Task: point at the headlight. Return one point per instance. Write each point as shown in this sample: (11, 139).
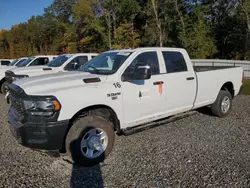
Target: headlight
(17, 77)
(42, 108)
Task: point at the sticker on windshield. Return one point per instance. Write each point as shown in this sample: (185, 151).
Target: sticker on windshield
(124, 53)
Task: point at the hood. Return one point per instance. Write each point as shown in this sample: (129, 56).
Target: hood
(51, 83)
(7, 67)
(30, 70)
(4, 69)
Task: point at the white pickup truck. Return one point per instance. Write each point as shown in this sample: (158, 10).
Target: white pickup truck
(31, 61)
(62, 63)
(17, 61)
(5, 62)
(117, 92)
(13, 63)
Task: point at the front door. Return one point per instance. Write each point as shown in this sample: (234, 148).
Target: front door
(143, 99)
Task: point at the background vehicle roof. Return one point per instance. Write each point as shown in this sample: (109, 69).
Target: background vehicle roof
(147, 48)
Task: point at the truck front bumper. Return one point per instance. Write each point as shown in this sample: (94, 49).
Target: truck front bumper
(44, 136)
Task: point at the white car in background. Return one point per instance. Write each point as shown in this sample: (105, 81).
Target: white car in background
(4, 62)
(14, 62)
(31, 61)
(62, 63)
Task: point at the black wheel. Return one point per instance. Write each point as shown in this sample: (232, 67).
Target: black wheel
(223, 104)
(90, 140)
(4, 88)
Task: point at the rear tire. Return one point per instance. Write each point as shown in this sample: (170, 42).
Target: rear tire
(223, 104)
(90, 140)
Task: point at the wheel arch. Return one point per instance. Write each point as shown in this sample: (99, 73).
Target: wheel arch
(228, 86)
(1, 83)
(99, 110)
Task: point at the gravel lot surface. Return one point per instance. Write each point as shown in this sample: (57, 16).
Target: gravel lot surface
(198, 151)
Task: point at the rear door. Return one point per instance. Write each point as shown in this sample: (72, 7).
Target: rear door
(180, 83)
(144, 99)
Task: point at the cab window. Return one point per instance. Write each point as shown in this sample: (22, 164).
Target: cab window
(40, 61)
(76, 63)
(4, 62)
(146, 58)
(174, 62)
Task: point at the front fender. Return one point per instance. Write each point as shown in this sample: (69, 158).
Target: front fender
(79, 99)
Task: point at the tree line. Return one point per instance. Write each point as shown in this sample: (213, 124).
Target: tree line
(205, 28)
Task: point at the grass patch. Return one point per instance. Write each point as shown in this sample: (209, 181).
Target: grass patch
(246, 87)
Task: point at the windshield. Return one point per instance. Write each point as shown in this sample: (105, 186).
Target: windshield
(13, 62)
(58, 61)
(22, 60)
(25, 62)
(16, 61)
(106, 63)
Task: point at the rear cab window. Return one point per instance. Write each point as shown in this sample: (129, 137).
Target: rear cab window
(174, 61)
(5, 62)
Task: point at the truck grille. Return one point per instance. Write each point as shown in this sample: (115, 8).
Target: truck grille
(15, 95)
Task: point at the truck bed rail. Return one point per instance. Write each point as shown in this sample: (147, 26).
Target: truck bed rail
(210, 68)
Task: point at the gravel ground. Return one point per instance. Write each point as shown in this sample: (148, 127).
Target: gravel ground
(198, 151)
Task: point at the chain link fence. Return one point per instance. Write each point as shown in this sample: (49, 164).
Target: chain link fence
(214, 62)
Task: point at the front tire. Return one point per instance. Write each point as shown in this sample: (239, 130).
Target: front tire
(3, 88)
(223, 104)
(90, 140)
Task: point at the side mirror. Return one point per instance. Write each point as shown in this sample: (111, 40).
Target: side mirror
(75, 65)
(142, 72)
(72, 66)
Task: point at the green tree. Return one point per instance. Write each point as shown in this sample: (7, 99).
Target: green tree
(4, 45)
(89, 28)
(126, 37)
(245, 7)
(197, 39)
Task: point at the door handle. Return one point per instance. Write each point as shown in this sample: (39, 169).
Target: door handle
(190, 78)
(158, 83)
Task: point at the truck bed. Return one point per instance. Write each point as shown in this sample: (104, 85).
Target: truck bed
(210, 79)
(210, 68)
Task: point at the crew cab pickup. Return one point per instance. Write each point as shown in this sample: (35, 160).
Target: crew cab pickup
(31, 61)
(17, 61)
(14, 62)
(62, 63)
(117, 92)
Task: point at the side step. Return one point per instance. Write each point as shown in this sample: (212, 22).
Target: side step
(140, 128)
